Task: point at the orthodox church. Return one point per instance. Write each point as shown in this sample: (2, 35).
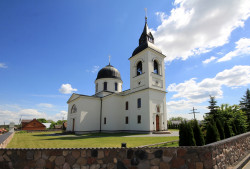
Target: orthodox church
(142, 108)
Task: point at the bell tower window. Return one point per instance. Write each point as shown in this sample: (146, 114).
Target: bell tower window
(116, 86)
(156, 67)
(105, 86)
(139, 68)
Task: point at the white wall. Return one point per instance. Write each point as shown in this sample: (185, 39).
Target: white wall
(87, 117)
(110, 86)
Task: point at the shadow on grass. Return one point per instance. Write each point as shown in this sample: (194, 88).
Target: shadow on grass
(61, 136)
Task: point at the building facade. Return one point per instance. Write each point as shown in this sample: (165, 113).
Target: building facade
(141, 108)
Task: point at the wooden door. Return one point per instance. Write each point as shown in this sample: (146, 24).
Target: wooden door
(157, 123)
(73, 128)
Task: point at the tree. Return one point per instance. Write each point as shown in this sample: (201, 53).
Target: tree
(177, 119)
(245, 106)
(220, 129)
(186, 135)
(227, 130)
(42, 120)
(198, 135)
(212, 133)
(212, 107)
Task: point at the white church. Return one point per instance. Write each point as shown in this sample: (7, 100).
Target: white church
(142, 108)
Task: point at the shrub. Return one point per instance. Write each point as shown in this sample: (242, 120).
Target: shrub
(227, 130)
(186, 137)
(220, 129)
(198, 135)
(212, 133)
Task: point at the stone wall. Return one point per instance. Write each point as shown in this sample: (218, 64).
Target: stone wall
(5, 139)
(217, 155)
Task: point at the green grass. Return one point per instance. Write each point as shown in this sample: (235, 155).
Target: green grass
(174, 144)
(43, 140)
(173, 129)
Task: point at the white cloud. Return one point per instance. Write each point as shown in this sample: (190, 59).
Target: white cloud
(46, 105)
(3, 65)
(209, 60)
(61, 115)
(191, 92)
(67, 89)
(197, 26)
(242, 48)
(94, 69)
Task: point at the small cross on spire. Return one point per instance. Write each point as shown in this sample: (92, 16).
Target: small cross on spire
(109, 59)
(145, 14)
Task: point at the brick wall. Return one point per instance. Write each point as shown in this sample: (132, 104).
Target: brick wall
(216, 155)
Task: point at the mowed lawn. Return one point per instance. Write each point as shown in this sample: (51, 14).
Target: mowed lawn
(49, 140)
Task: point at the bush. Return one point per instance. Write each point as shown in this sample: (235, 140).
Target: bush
(186, 137)
(198, 135)
(220, 129)
(227, 130)
(212, 133)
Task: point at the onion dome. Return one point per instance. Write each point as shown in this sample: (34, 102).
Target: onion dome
(108, 72)
(146, 41)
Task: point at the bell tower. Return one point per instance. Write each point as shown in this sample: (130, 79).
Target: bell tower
(147, 64)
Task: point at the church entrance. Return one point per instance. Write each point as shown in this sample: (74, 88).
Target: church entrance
(157, 123)
(73, 127)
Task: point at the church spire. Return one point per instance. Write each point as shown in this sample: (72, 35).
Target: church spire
(146, 35)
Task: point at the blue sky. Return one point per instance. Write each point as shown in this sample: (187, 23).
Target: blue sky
(49, 49)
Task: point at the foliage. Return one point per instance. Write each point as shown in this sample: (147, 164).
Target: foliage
(177, 119)
(220, 129)
(59, 122)
(55, 140)
(212, 133)
(42, 120)
(198, 135)
(186, 135)
(213, 107)
(245, 106)
(227, 130)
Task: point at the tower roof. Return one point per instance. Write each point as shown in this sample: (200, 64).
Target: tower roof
(146, 40)
(109, 72)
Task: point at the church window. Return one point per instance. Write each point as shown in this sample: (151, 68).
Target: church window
(105, 120)
(105, 85)
(158, 108)
(126, 105)
(139, 68)
(156, 71)
(73, 109)
(96, 87)
(126, 120)
(116, 86)
(139, 119)
(139, 103)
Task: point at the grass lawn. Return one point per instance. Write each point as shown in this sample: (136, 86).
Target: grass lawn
(48, 140)
(174, 144)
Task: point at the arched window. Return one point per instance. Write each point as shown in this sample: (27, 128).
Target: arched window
(139, 68)
(116, 86)
(73, 109)
(158, 108)
(105, 85)
(156, 69)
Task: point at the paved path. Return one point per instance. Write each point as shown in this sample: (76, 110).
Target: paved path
(174, 133)
(247, 166)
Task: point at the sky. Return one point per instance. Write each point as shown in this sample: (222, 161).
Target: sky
(50, 49)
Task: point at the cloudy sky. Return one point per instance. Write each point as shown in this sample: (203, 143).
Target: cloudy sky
(50, 49)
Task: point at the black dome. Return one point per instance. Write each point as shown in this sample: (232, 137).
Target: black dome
(109, 72)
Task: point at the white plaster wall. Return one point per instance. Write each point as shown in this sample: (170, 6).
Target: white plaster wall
(110, 86)
(158, 98)
(87, 117)
(133, 111)
(112, 110)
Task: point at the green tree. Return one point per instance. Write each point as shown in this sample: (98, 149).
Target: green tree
(198, 135)
(213, 107)
(245, 106)
(42, 120)
(227, 130)
(220, 129)
(177, 119)
(186, 135)
(212, 133)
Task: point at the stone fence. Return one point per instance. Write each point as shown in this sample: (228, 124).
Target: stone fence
(5, 138)
(222, 154)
